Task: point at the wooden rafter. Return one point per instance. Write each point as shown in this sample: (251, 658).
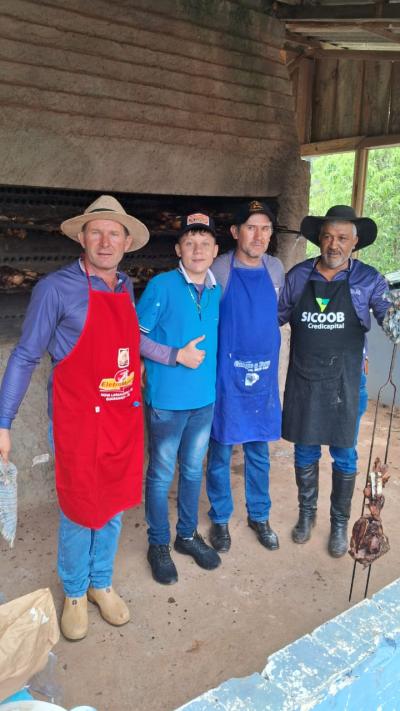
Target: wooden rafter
(305, 41)
(304, 26)
(361, 54)
(341, 12)
(382, 32)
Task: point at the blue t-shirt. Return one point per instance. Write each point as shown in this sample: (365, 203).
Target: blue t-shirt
(172, 312)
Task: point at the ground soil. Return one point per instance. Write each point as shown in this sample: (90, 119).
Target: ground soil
(189, 637)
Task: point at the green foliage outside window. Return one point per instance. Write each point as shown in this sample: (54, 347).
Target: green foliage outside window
(331, 184)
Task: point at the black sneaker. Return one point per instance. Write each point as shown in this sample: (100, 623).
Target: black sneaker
(162, 565)
(205, 556)
(220, 538)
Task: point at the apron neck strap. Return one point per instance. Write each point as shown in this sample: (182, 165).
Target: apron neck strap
(124, 289)
(86, 272)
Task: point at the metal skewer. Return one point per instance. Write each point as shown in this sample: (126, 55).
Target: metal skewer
(391, 384)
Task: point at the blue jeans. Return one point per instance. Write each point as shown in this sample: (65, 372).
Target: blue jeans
(172, 435)
(256, 480)
(344, 458)
(85, 555)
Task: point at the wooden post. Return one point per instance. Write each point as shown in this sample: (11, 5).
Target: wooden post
(359, 179)
(359, 183)
(304, 98)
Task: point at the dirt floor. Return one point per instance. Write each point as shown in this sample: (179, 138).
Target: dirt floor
(186, 638)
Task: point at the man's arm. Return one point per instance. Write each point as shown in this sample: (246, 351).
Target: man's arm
(190, 356)
(5, 444)
(378, 302)
(38, 328)
(285, 304)
(149, 310)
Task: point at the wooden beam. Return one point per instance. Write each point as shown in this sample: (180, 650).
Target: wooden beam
(333, 26)
(380, 32)
(305, 41)
(359, 180)
(340, 12)
(336, 145)
(381, 141)
(343, 145)
(357, 55)
(304, 99)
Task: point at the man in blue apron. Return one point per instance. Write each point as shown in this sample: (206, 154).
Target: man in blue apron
(327, 302)
(247, 408)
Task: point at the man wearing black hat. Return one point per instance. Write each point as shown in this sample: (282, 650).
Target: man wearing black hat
(327, 302)
(247, 408)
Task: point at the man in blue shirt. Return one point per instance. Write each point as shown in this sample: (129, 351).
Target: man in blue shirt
(327, 302)
(180, 309)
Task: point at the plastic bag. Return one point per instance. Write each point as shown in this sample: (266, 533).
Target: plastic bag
(391, 322)
(8, 501)
(28, 631)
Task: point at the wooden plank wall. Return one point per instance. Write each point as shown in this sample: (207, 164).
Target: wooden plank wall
(175, 96)
(355, 98)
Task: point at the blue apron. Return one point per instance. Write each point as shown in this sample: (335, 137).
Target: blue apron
(247, 407)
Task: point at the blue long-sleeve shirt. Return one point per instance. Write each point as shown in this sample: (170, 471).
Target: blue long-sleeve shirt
(54, 321)
(367, 289)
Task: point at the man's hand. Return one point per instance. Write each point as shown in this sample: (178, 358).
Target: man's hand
(190, 356)
(5, 444)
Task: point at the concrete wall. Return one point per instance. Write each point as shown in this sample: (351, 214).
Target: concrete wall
(351, 662)
(380, 351)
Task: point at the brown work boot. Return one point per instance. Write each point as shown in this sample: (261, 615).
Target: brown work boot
(74, 620)
(112, 607)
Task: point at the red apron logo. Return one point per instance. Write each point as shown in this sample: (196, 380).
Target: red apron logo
(123, 357)
(122, 379)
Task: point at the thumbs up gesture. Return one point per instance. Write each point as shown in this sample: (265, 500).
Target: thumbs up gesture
(190, 356)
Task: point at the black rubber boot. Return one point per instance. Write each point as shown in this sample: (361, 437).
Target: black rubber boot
(342, 493)
(307, 486)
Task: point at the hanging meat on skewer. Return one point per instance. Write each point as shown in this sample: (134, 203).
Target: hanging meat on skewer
(368, 541)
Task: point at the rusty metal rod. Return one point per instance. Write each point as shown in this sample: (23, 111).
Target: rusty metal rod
(389, 382)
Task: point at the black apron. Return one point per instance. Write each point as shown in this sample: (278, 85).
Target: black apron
(323, 381)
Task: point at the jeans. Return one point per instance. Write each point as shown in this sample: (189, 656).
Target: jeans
(344, 458)
(256, 480)
(85, 555)
(172, 435)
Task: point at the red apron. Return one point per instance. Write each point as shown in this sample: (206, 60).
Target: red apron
(98, 414)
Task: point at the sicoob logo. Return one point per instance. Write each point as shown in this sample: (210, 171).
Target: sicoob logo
(322, 320)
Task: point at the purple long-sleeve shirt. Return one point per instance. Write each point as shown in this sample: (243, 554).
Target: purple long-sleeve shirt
(53, 323)
(367, 289)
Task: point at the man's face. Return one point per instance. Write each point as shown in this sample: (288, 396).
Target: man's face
(253, 236)
(105, 243)
(337, 242)
(197, 250)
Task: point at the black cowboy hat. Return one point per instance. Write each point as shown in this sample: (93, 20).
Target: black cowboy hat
(366, 228)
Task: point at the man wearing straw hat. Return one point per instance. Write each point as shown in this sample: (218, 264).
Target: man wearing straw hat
(84, 317)
(327, 302)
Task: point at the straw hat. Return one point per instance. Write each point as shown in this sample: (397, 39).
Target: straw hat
(108, 208)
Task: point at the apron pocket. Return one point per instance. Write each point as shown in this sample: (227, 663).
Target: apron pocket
(317, 367)
(251, 375)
